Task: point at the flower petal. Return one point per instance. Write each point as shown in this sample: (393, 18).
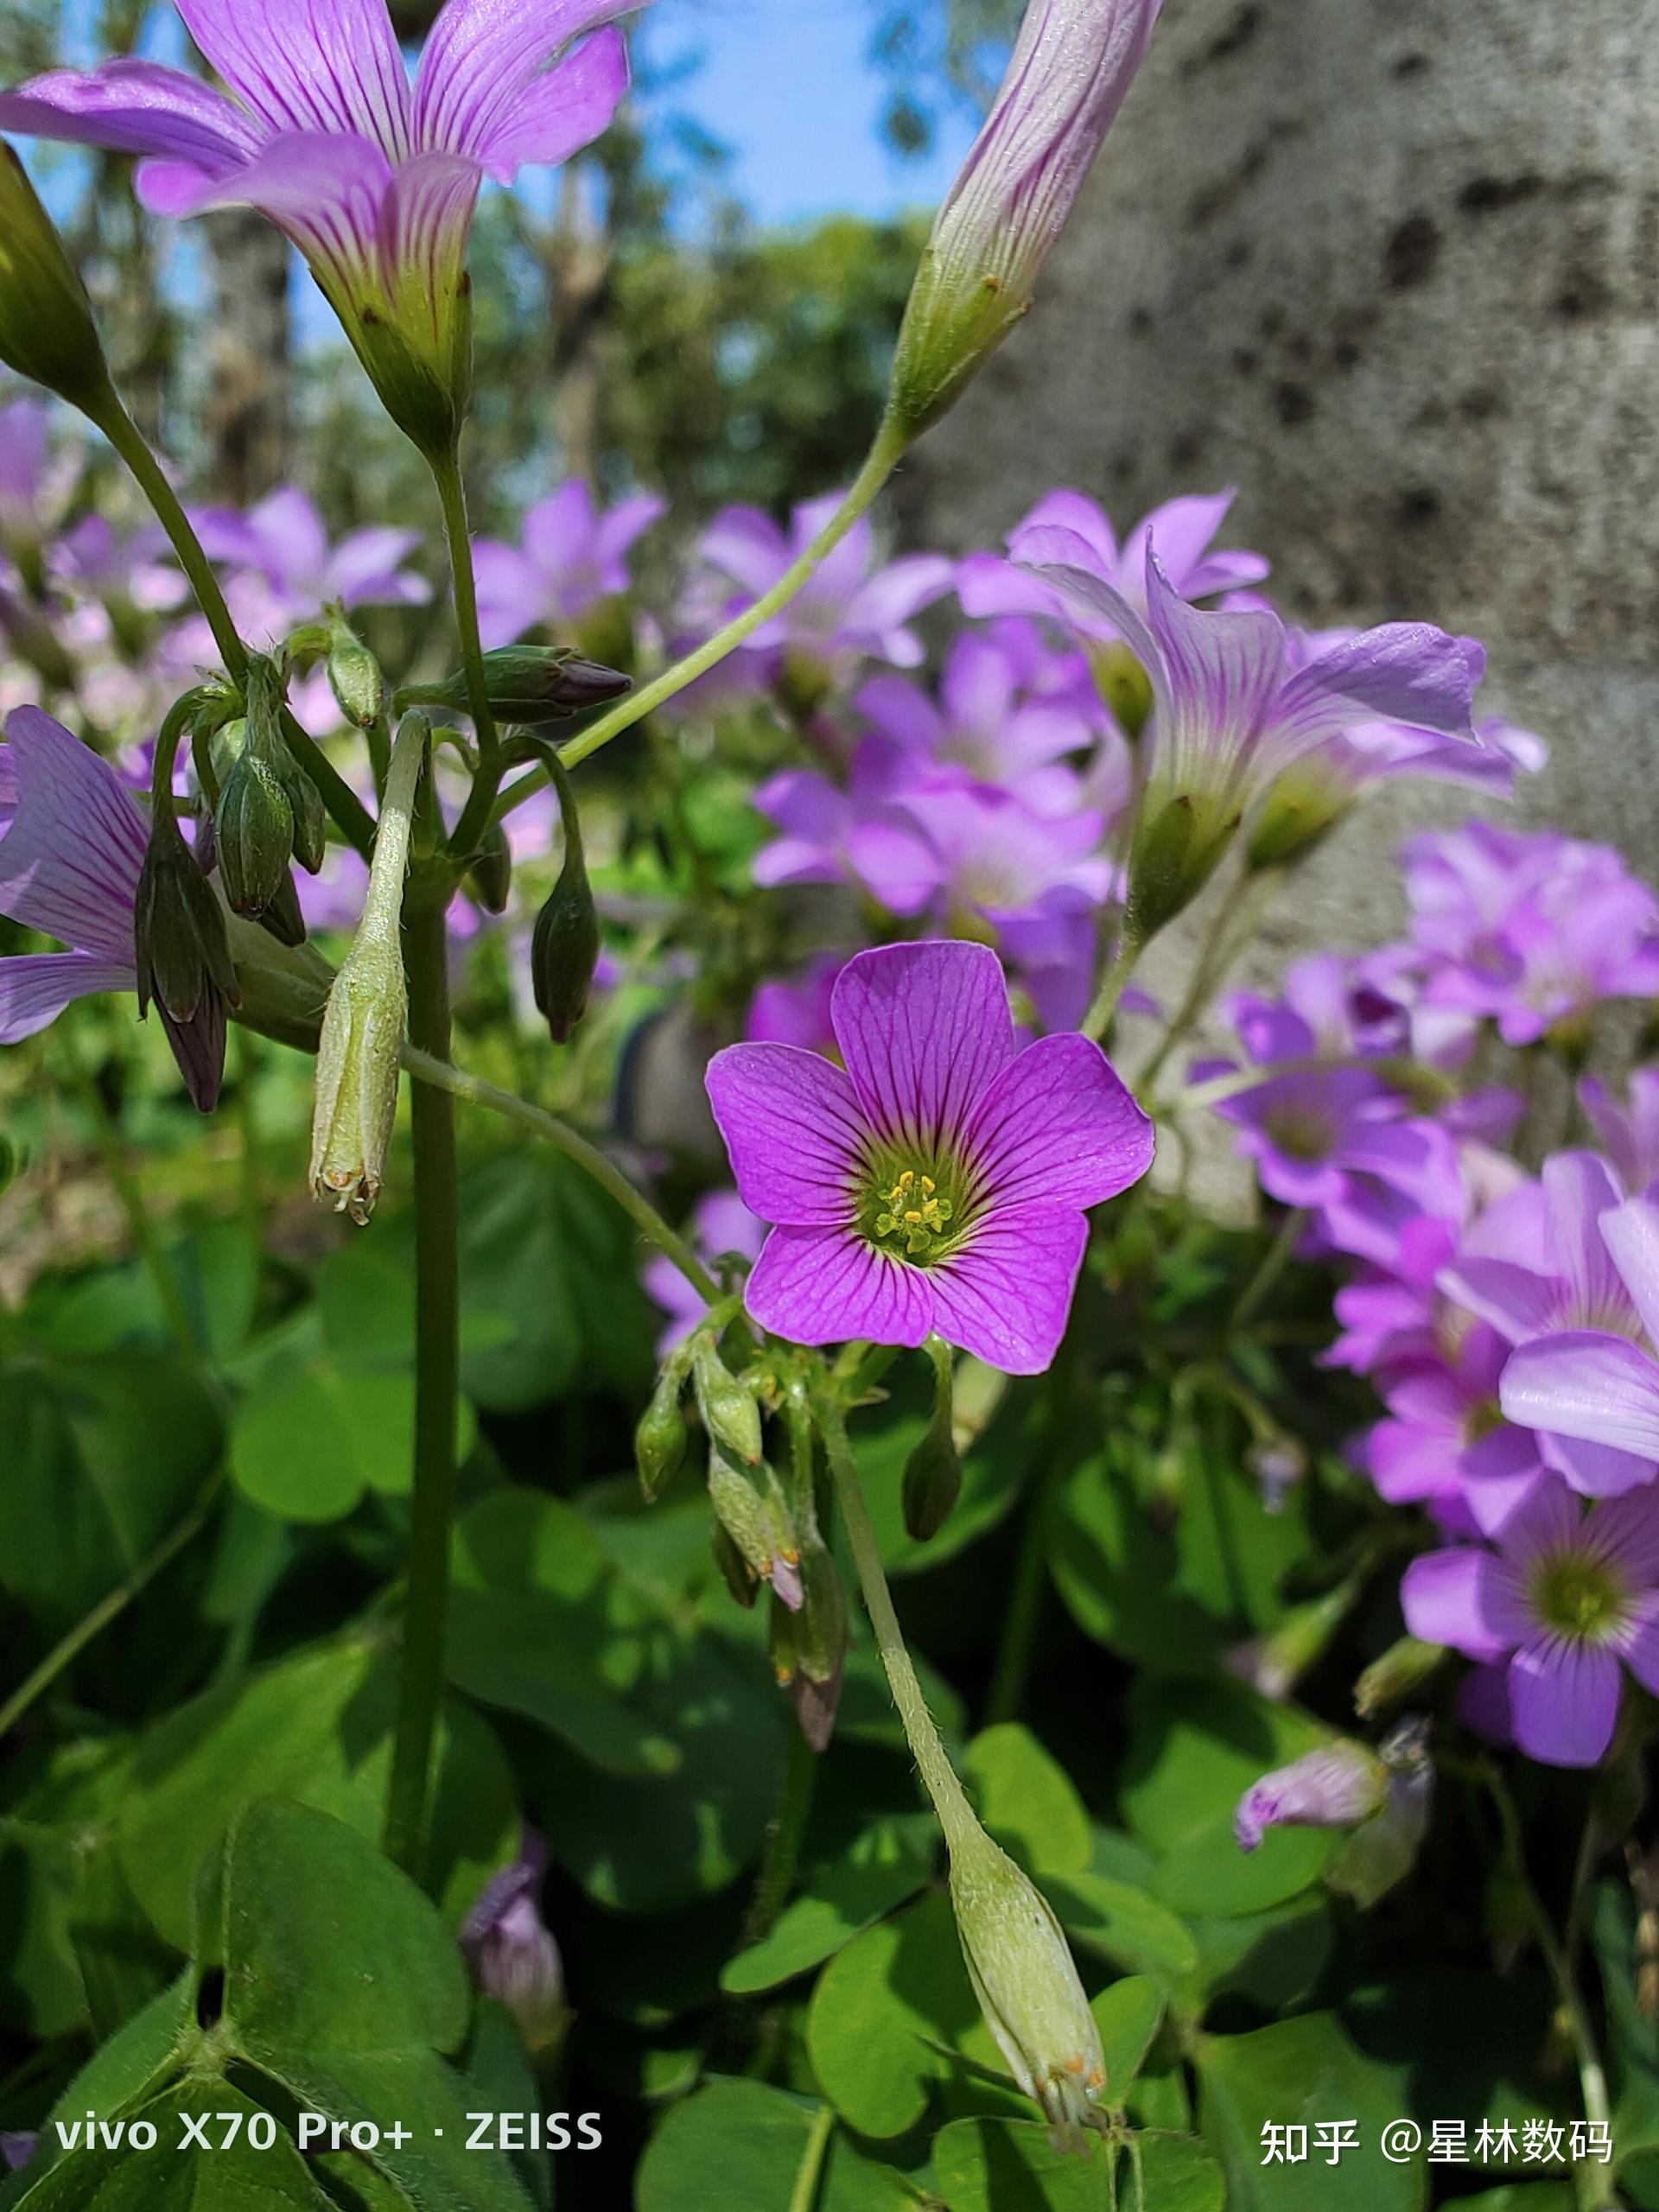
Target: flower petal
(1586, 1383)
(310, 64)
(1514, 1300)
(1563, 1700)
(1457, 1598)
(35, 987)
(1632, 1235)
(481, 60)
(1403, 672)
(70, 862)
(1006, 1297)
(826, 1286)
(133, 107)
(794, 1131)
(326, 190)
(1639, 1645)
(562, 110)
(924, 1030)
(1058, 1126)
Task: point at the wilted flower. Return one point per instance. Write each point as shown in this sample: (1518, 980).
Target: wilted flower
(511, 1949)
(1568, 1598)
(1072, 64)
(375, 182)
(938, 1183)
(572, 554)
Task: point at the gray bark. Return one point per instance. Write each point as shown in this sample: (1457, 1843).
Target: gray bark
(1392, 267)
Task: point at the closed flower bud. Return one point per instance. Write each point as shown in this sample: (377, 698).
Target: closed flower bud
(819, 1645)
(734, 1568)
(182, 953)
(357, 1076)
(1124, 685)
(564, 945)
(1275, 1663)
(253, 825)
(511, 1952)
(754, 1516)
(1071, 66)
(284, 917)
(310, 815)
(1027, 1982)
(354, 677)
(932, 1480)
(530, 687)
(1177, 846)
(1399, 1673)
(729, 1412)
(47, 331)
(659, 1440)
(490, 876)
(1337, 1786)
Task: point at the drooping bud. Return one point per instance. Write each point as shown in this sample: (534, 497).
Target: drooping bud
(253, 826)
(354, 677)
(729, 1412)
(1072, 64)
(1399, 1673)
(284, 917)
(511, 1952)
(490, 876)
(46, 331)
(1384, 1850)
(564, 945)
(1275, 1663)
(266, 695)
(529, 687)
(933, 1471)
(183, 959)
(368, 1010)
(1026, 1982)
(1337, 1786)
(734, 1569)
(755, 1516)
(659, 1440)
(819, 1653)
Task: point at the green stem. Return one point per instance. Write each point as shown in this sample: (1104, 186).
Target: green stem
(785, 1835)
(1230, 928)
(437, 1320)
(433, 1069)
(147, 1245)
(804, 2195)
(481, 800)
(883, 459)
(108, 1609)
(1408, 1073)
(927, 1746)
(1098, 1019)
(1277, 1257)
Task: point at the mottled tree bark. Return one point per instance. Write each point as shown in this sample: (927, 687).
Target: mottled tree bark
(1392, 267)
(249, 402)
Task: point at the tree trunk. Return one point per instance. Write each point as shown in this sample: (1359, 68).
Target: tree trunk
(1392, 267)
(249, 402)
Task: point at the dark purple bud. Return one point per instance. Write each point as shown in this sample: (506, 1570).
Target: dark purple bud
(511, 1950)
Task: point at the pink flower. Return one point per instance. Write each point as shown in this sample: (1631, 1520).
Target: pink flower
(938, 1185)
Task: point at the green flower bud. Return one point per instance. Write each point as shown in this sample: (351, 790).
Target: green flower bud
(310, 815)
(1379, 1855)
(733, 1570)
(932, 1480)
(1399, 1673)
(817, 1645)
(47, 331)
(755, 1516)
(283, 916)
(253, 825)
(659, 1440)
(182, 952)
(1027, 1982)
(357, 1074)
(490, 876)
(729, 1412)
(530, 687)
(564, 945)
(1124, 685)
(1178, 846)
(354, 677)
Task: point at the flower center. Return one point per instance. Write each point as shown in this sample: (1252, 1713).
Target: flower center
(1579, 1596)
(1300, 1132)
(912, 1209)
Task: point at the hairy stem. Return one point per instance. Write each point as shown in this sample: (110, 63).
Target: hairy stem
(437, 1319)
(1114, 983)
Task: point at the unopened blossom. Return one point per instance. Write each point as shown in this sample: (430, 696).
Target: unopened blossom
(722, 1228)
(571, 554)
(512, 1951)
(1232, 709)
(1336, 1786)
(1568, 1600)
(935, 1182)
(1181, 532)
(1072, 64)
(70, 863)
(852, 609)
(375, 180)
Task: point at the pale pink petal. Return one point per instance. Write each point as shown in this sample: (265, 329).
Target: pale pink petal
(827, 1285)
(35, 987)
(1631, 1232)
(1586, 1383)
(310, 65)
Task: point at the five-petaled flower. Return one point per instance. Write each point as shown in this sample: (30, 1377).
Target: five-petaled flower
(375, 180)
(936, 1183)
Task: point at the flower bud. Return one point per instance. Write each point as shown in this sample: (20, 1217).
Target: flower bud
(310, 815)
(564, 945)
(253, 826)
(1383, 1851)
(1123, 684)
(1275, 1663)
(729, 1412)
(754, 1516)
(511, 1952)
(1337, 1786)
(530, 687)
(1072, 64)
(284, 917)
(818, 1652)
(932, 1480)
(734, 1568)
(659, 1440)
(357, 1076)
(354, 677)
(1026, 1982)
(1177, 845)
(47, 331)
(490, 876)
(181, 951)
(1399, 1673)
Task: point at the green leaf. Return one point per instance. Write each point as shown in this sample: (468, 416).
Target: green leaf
(232, 2177)
(1301, 2072)
(342, 1983)
(1273, 1958)
(836, 1902)
(1026, 1800)
(309, 1442)
(131, 2066)
(1179, 2176)
(877, 2010)
(742, 2145)
(1632, 2034)
(1013, 2165)
(316, 1728)
(40, 1989)
(1122, 1924)
(1128, 2014)
(540, 1625)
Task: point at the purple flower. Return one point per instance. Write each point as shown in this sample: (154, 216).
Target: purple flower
(1072, 63)
(70, 860)
(572, 555)
(16, 2151)
(1566, 1598)
(794, 1009)
(291, 572)
(936, 1185)
(1446, 1443)
(721, 1226)
(849, 612)
(1630, 1133)
(25, 426)
(374, 179)
(1232, 709)
(125, 573)
(1179, 532)
(1336, 1786)
(511, 1950)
